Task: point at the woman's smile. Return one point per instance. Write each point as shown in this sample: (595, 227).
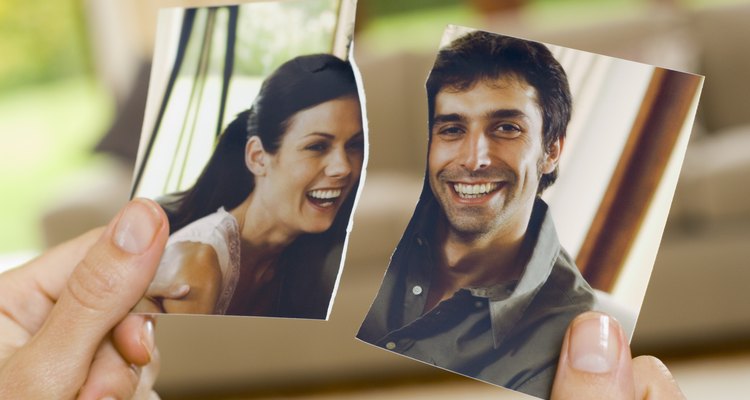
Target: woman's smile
(324, 198)
(316, 166)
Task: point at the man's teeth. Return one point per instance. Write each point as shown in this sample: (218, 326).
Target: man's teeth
(473, 191)
(325, 194)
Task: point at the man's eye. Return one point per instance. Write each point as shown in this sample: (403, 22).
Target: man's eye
(450, 131)
(507, 129)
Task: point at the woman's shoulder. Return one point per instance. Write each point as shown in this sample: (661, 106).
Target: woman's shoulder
(216, 218)
(220, 222)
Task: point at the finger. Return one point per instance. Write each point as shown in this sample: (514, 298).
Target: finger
(653, 380)
(104, 286)
(153, 302)
(64, 257)
(110, 376)
(134, 339)
(594, 362)
(30, 291)
(145, 389)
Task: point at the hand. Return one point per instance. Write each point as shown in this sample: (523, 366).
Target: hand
(595, 363)
(64, 323)
(188, 281)
(166, 285)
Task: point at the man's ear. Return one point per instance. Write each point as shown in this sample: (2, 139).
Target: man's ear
(256, 157)
(552, 155)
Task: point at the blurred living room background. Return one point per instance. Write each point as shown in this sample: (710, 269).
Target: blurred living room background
(73, 83)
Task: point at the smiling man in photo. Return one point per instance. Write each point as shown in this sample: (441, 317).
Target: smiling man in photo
(479, 283)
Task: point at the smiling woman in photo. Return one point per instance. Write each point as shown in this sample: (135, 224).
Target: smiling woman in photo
(262, 230)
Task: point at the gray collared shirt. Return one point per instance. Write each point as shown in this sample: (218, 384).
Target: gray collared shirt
(508, 334)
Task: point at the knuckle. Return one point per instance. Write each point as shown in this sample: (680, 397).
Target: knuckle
(92, 282)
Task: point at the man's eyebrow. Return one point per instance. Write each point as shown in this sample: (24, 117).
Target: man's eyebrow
(506, 113)
(443, 118)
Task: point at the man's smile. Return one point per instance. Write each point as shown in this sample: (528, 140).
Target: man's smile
(474, 190)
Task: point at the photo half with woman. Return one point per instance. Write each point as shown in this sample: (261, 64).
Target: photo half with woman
(253, 143)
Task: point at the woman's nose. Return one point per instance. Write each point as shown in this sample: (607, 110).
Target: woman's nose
(339, 165)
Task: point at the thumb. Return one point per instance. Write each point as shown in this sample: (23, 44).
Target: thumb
(100, 292)
(595, 361)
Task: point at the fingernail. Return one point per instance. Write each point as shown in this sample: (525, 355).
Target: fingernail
(147, 337)
(594, 345)
(137, 227)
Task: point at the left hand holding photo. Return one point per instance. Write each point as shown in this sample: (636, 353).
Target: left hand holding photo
(65, 326)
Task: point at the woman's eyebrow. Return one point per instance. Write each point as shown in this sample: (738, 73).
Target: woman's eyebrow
(323, 134)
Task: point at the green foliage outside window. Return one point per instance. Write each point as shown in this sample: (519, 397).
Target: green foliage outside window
(40, 41)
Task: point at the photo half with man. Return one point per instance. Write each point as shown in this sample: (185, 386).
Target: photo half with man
(253, 143)
(549, 176)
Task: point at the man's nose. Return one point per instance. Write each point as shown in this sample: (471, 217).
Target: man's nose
(339, 165)
(475, 152)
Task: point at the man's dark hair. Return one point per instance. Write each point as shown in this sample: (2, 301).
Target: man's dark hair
(479, 56)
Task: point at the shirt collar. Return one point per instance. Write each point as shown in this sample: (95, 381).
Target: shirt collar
(541, 237)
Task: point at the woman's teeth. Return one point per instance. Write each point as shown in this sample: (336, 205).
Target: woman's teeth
(325, 194)
(473, 191)
(324, 198)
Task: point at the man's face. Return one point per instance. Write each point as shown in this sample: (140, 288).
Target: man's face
(486, 156)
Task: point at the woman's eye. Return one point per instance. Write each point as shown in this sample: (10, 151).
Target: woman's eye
(317, 146)
(357, 145)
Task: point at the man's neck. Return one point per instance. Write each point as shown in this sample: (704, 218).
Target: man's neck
(478, 261)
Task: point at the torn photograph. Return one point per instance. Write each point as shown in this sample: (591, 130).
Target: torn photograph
(253, 144)
(548, 179)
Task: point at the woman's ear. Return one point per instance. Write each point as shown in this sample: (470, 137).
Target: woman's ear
(552, 155)
(256, 157)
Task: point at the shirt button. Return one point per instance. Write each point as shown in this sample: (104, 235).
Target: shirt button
(417, 290)
(478, 304)
(390, 345)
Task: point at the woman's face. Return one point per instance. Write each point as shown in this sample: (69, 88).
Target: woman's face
(316, 166)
